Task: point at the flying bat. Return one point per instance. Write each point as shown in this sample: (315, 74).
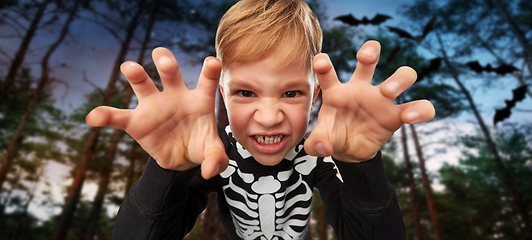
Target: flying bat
(419, 38)
(503, 69)
(352, 21)
(518, 95)
(434, 65)
(390, 58)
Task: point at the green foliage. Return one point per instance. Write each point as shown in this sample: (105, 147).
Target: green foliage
(29, 228)
(447, 100)
(338, 43)
(475, 194)
(474, 203)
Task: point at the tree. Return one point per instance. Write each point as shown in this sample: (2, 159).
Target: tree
(423, 9)
(480, 203)
(412, 185)
(105, 175)
(77, 183)
(21, 52)
(45, 78)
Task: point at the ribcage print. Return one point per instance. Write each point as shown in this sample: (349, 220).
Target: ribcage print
(275, 206)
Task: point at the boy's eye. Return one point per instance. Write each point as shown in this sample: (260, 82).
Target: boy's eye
(291, 94)
(245, 93)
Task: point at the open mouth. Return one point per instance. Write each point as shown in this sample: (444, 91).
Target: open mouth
(268, 140)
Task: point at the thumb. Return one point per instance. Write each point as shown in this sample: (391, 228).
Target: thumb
(216, 161)
(318, 143)
(210, 75)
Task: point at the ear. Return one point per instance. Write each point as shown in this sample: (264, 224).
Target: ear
(222, 92)
(315, 96)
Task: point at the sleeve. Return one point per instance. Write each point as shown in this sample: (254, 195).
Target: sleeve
(162, 204)
(361, 204)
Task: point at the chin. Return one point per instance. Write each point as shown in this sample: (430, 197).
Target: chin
(268, 160)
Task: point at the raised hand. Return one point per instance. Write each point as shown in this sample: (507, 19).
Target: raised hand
(177, 127)
(357, 118)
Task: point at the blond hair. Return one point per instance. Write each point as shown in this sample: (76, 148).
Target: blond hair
(253, 29)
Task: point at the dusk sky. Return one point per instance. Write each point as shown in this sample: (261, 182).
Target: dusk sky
(90, 53)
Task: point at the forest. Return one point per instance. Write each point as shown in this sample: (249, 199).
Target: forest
(466, 174)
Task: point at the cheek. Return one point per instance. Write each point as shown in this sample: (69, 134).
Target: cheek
(239, 117)
(299, 118)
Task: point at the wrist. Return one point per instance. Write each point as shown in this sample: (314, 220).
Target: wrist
(185, 167)
(353, 159)
(179, 167)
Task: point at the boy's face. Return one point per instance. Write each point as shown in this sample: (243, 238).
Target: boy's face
(268, 106)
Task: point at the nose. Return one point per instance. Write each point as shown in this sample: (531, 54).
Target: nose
(269, 114)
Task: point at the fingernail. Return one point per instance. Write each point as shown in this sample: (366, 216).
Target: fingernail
(208, 59)
(369, 52)
(393, 87)
(413, 117)
(321, 149)
(323, 60)
(164, 60)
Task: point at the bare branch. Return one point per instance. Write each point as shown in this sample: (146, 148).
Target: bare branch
(92, 84)
(64, 83)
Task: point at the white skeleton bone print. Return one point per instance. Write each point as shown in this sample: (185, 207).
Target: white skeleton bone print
(270, 206)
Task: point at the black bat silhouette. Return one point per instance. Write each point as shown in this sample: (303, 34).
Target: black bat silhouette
(434, 65)
(503, 69)
(390, 58)
(419, 38)
(352, 21)
(503, 113)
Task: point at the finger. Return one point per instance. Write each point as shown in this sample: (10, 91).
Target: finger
(417, 112)
(108, 116)
(367, 57)
(210, 76)
(402, 79)
(138, 79)
(215, 163)
(318, 143)
(324, 71)
(168, 68)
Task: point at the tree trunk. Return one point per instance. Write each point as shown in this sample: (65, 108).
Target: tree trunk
(9, 156)
(322, 224)
(527, 48)
(74, 192)
(212, 226)
(426, 186)
(31, 195)
(131, 167)
(472, 227)
(103, 183)
(21, 52)
(105, 175)
(412, 185)
(506, 178)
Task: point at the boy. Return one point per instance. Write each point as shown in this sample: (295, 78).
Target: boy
(268, 68)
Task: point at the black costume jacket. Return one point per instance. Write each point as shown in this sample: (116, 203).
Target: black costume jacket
(264, 202)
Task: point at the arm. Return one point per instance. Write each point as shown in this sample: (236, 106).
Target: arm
(357, 118)
(371, 199)
(177, 127)
(157, 206)
(354, 122)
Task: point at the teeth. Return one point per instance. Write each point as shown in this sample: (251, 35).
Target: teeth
(269, 139)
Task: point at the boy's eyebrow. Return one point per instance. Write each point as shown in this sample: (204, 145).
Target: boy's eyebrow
(237, 83)
(288, 83)
(296, 83)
